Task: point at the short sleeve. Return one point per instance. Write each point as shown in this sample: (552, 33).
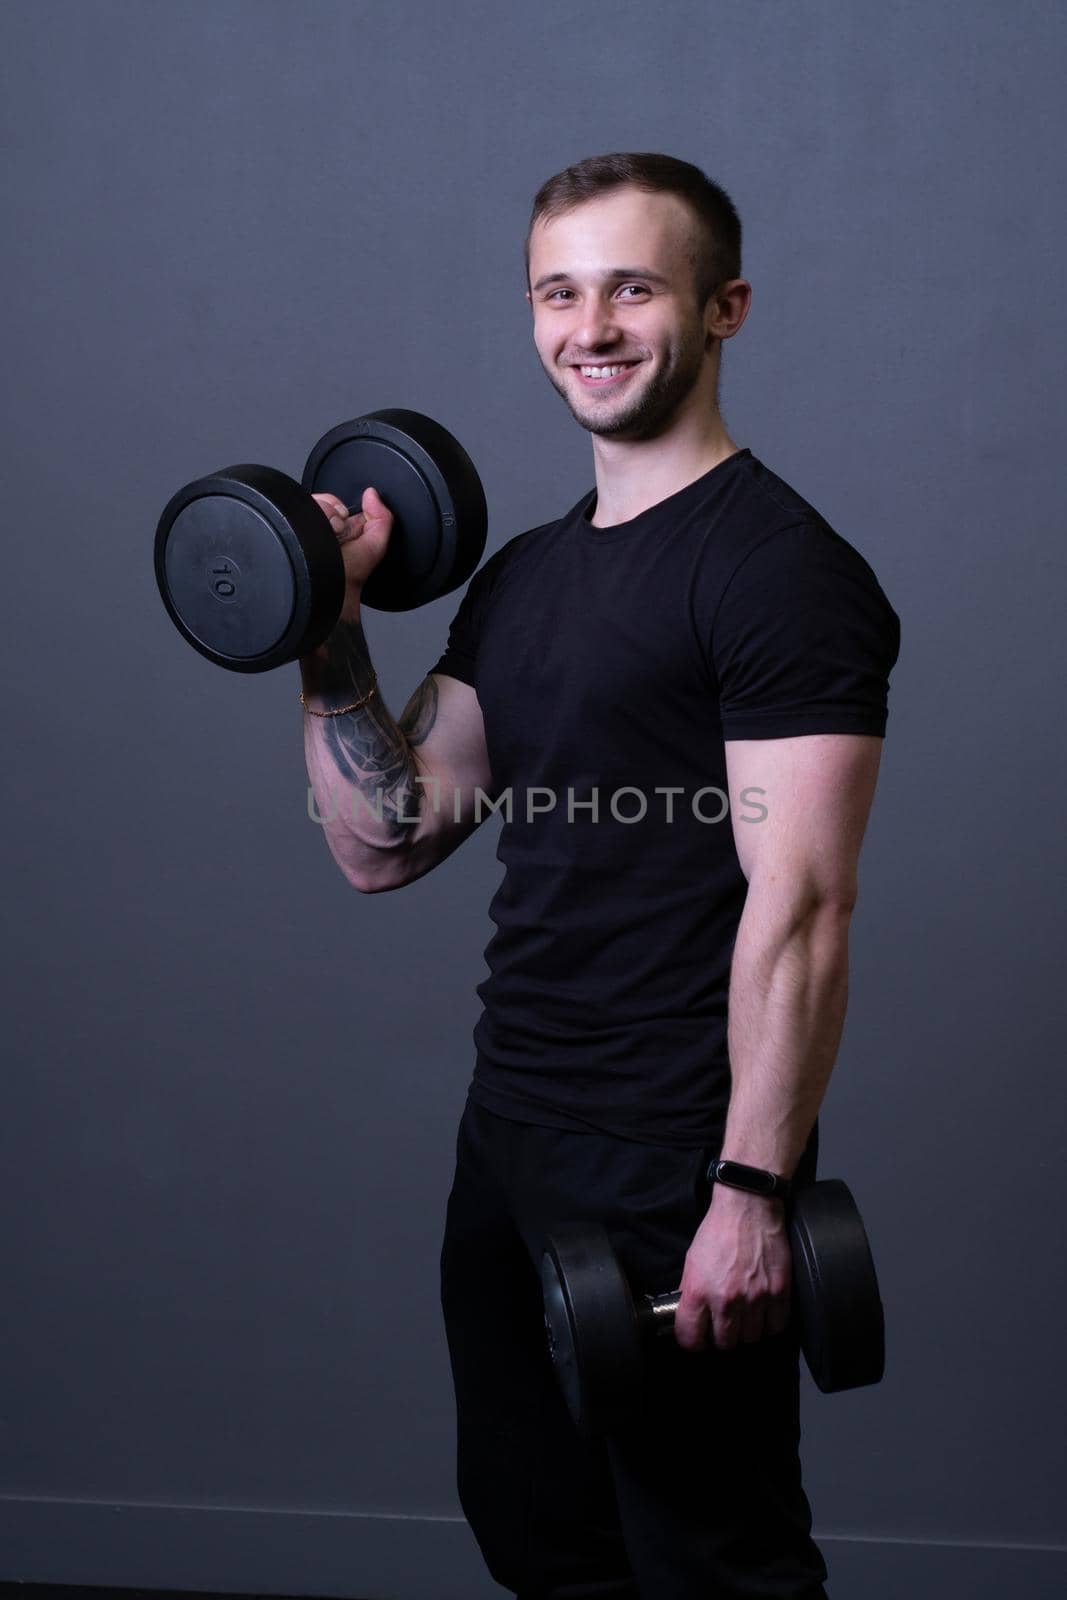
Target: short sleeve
(803, 640)
(460, 654)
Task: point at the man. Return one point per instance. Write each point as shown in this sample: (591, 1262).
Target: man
(676, 695)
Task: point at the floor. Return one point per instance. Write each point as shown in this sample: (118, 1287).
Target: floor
(48, 1591)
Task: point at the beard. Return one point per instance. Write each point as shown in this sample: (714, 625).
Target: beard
(651, 399)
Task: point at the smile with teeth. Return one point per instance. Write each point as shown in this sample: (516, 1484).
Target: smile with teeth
(606, 374)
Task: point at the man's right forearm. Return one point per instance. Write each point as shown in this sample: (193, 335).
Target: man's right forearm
(362, 764)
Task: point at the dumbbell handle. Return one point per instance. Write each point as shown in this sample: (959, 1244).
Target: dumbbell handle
(655, 1312)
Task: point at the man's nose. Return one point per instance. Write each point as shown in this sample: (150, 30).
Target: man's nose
(597, 327)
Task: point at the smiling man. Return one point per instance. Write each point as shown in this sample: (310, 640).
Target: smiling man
(676, 693)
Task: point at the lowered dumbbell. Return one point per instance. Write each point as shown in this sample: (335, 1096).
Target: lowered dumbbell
(598, 1330)
(250, 569)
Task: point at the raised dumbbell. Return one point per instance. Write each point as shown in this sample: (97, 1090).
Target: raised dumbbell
(250, 569)
(598, 1330)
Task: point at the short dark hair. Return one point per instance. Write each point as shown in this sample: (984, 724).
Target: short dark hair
(717, 253)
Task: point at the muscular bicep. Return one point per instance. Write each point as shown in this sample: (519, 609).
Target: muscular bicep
(815, 794)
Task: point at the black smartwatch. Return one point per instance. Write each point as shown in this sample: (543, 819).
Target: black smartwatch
(737, 1176)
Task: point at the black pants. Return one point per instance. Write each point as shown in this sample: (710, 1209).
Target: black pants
(701, 1497)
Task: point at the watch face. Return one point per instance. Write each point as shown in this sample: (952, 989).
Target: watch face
(735, 1172)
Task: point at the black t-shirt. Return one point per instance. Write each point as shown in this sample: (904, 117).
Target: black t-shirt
(611, 664)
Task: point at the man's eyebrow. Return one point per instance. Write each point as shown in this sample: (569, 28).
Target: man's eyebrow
(606, 276)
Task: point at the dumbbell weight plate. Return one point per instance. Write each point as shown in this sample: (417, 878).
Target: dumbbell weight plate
(431, 486)
(248, 567)
(598, 1355)
(835, 1288)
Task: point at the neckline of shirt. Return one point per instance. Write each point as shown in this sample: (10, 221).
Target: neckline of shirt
(676, 502)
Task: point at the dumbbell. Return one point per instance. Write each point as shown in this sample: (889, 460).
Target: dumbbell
(598, 1331)
(250, 569)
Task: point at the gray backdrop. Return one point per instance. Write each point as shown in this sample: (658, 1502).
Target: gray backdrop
(232, 1083)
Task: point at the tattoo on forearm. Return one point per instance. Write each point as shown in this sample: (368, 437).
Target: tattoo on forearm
(369, 747)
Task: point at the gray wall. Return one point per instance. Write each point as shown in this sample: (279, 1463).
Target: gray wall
(232, 1084)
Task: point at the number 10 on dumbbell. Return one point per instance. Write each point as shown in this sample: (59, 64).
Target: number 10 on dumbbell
(251, 571)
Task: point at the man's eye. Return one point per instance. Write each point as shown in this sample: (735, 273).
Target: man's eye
(639, 286)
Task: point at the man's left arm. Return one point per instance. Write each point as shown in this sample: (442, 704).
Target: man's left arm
(787, 1001)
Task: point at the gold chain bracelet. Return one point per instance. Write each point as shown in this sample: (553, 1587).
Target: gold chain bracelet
(341, 709)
